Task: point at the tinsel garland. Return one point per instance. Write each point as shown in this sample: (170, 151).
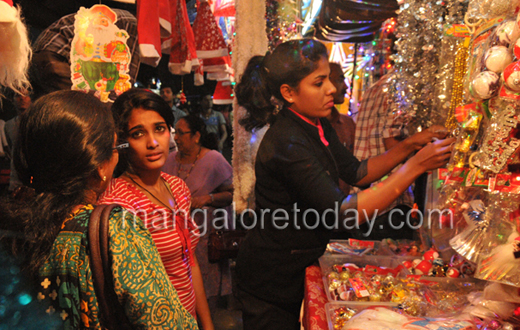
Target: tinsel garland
(419, 32)
(250, 40)
(282, 21)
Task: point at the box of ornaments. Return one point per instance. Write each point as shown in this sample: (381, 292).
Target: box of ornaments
(388, 278)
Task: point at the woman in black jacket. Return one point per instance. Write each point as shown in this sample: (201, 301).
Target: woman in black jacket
(298, 200)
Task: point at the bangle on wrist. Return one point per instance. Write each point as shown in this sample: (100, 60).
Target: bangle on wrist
(212, 198)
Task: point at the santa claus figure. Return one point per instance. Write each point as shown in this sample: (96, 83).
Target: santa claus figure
(100, 57)
(15, 52)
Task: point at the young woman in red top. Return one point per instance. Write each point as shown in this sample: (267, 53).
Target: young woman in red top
(162, 201)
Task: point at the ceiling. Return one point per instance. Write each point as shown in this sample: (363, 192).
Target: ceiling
(352, 20)
(39, 14)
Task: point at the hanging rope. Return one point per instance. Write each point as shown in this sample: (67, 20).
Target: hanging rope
(353, 76)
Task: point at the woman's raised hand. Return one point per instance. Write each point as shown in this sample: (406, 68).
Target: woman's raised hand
(433, 155)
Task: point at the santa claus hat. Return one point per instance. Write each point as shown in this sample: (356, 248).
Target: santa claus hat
(209, 39)
(8, 13)
(105, 11)
(223, 93)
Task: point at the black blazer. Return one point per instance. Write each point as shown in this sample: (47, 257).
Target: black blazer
(297, 193)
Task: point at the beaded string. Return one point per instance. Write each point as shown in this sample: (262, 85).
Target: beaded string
(179, 170)
(182, 234)
(457, 92)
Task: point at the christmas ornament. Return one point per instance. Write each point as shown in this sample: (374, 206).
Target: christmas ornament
(430, 255)
(511, 76)
(516, 49)
(452, 272)
(501, 264)
(100, 57)
(470, 241)
(497, 58)
(498, 145)
(507, 33)
(457, 90)
(484, 85)
(423, 268)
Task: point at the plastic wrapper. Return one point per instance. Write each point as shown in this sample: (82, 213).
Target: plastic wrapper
(488, 58)
(354, 247)
(501, 139)
(501, 292)
(449, 87)
(502, 263)
(488, 308)
(416, 295)
(448, 220)
(486, 229)
(381, 318)
(488, 9)
(469, 131)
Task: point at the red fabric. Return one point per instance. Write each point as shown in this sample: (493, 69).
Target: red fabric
(175, 242)
(223, 93)
(149, 31)
(165, 20)
(9, 2)
(209, 40)
(314, 317)
(183, 53)
(225, 8)
(216, 64)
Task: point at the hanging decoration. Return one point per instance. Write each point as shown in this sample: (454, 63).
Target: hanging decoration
(99, 55)
(153, 23)
(352, 20)
(283, 22)
(211, 46)
(419, 32)
(250, 40)
(225, 8)
(181, 44)
(450, 84)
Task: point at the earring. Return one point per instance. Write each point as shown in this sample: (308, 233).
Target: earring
(104, 178)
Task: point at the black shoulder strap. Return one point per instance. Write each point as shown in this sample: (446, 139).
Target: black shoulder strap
(111, 313)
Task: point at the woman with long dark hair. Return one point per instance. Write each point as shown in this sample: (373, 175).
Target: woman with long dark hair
(66, 155)
(163, 201)
(298, 164)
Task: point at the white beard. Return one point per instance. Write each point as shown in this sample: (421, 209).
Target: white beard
(15, 55)
(103, 35)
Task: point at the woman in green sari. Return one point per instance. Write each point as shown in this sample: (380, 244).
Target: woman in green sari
(66, 156)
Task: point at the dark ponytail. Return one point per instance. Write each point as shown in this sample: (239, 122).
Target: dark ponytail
(253, 93)
(259, 88)
(63, 138)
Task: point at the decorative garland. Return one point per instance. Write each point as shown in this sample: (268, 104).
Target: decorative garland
(250, 40)
(419, 32)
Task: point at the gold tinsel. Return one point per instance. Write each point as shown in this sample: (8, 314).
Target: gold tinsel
(458, 83)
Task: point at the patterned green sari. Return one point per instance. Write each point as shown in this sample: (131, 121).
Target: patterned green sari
(142, 286)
